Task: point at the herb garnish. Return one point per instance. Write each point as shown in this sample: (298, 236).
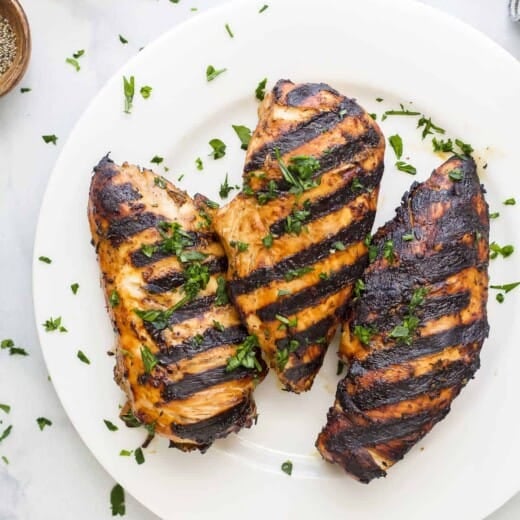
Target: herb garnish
(286, 322)
(82, 357)
(125, 453)
(123, 40)
(139, 456)
(149, 359)
(504, 251)
(456, 175)
(50, 139)
(442, 146)
(372, 249)
(146, 91)
(199, 164)
(297, 273)
(130, 419)
(23, 90)
(508, 287)
(429, 127)
(13, 351)
(114, 299)
(45, 259)
(263, 8)
(111, 426)
(396, 143)
(388, 251)
(510, 202)
(221, 297)
(51, 325)
(299, 172)
(282, 356)
(74, 288)
(74, 60)
(225, 188)
(5, 408)
(260, 90)
(244, 134)
(364, 334)
(160, 182)
(270, 194)
(43, 422)
(402, 112)
(407, 328)
(212, 72)
(296, 219)
(465, 148)
(229, 31)
(287, 467)
(245, 356)
(128, 91)
(117, 501)
(6, 433)
(219, 148)
(241, 247)
(405, 167)
(359, 287)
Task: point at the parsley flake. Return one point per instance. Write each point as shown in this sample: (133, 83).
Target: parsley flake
(396, 143)
(45, 259)
(5, 408)
(225, 188)
(260, 90)
(509, 202)
(219, 148)
(229, 31)
(6, 433)
(111, 426)
(241, 247)
(74, 288)
(456, 175)
(114, 299)
(199, 164)
(123, 40)
(50, 139)
(212, 72)
(429, 127)
(43, 422)
(83, 358)
(268, 240)
(117, 501)
(149, 359)
(263, 8)
(245, 356)
(244, 134)
(405, 167)
(292, 274)
(128, 91)
(146, 91)
(287, 467)
(139, 456)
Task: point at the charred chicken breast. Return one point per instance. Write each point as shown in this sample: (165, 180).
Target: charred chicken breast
(183, 358)
(295, 235)
(414, 333)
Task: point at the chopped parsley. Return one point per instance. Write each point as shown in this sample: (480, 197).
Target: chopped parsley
(496, 214)
(221, 297)
(125, 453)
(114, 299)
(226, 189)
(388, 251)
(219, 148)
(53, 324)
(287, 467)
(23, 90)
(283, 292)
(379, 99)
(229, 31)
(43, 422)
(6, 433)
(504, 251)
(74, 63)
(298, 174)
(286, 322)
(123, 40)
(357, 184)
(465, 148)
(148, 250)
(405, 167)
(146, 91)
(149, 359)
(439, 145)
(5, 408)
(241, 247)
(245, 356)
(13, 350)
(160, 182)
(407, 328)
(199, 164)
(292, 274)
(402, 112)
(429, 127)
(338, 246)
(265, 196)
(510, 202)
(408, 237)
(74, 288)
(50, 139)
(212, 72)
(373, 116)
(456, 175)
(282, 356)
(83, 358)
(157, 159)
(117, 501)
(218, 326)
(128, 91)
(359, 287)
(78, 54)
(263, 8)
(340, 368)
(45, 259)
(111, 426)
(260, 90)
(139, 456)
(244, 134)
(130, 419)
(268, 240)
(500, 298)
(364, 334)
(372, 249)
(396, 143)
(324, 276)
(295, 221)
(508, 287)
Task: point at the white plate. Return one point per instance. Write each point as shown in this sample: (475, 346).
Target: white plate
(400, 51)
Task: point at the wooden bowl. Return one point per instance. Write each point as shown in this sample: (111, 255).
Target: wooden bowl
(12, 11)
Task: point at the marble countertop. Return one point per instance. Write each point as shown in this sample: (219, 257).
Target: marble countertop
(51, 474)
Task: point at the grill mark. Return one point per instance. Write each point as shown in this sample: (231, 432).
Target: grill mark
(139, 259)
(175, 279)
(298, 95)
(335, 201)
(311, 296)
(314, 253)
(303, 132)
(474, 332)
(112, 195)
(192, 383)
(304, 370)
(382, 432)
(207, 430)
(384, 393)
(123, 228)
(310, 335)
(383, 318)
(211, 338)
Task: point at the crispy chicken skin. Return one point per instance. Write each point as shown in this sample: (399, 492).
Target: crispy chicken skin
(172, 365)
(295, 235)
(413, 337)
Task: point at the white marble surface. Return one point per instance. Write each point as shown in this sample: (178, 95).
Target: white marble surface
(51, 474)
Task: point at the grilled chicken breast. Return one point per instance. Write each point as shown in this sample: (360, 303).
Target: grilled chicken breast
(294, 236)
(414, 334)
(183, 358)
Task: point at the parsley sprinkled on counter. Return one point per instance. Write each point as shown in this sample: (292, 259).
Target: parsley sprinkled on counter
(397, 145)
(74, 288)
(83, 358)
(212, 72)
(287, 467)
(117, 499)
(219, 148)
(149, 359)
(50, 139)
(260, 90)
(74, 63)
(43, 422)
(53, 324)
(125, 453)
(129, 92)
(45, 259)
(244, 134)
(245, 356)
(146, 91)
(510, 202)
(439, 145)
(123, 40)
(111, 426)
(405, 167)
(229, 31)
(465, 148)
(508, 287)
